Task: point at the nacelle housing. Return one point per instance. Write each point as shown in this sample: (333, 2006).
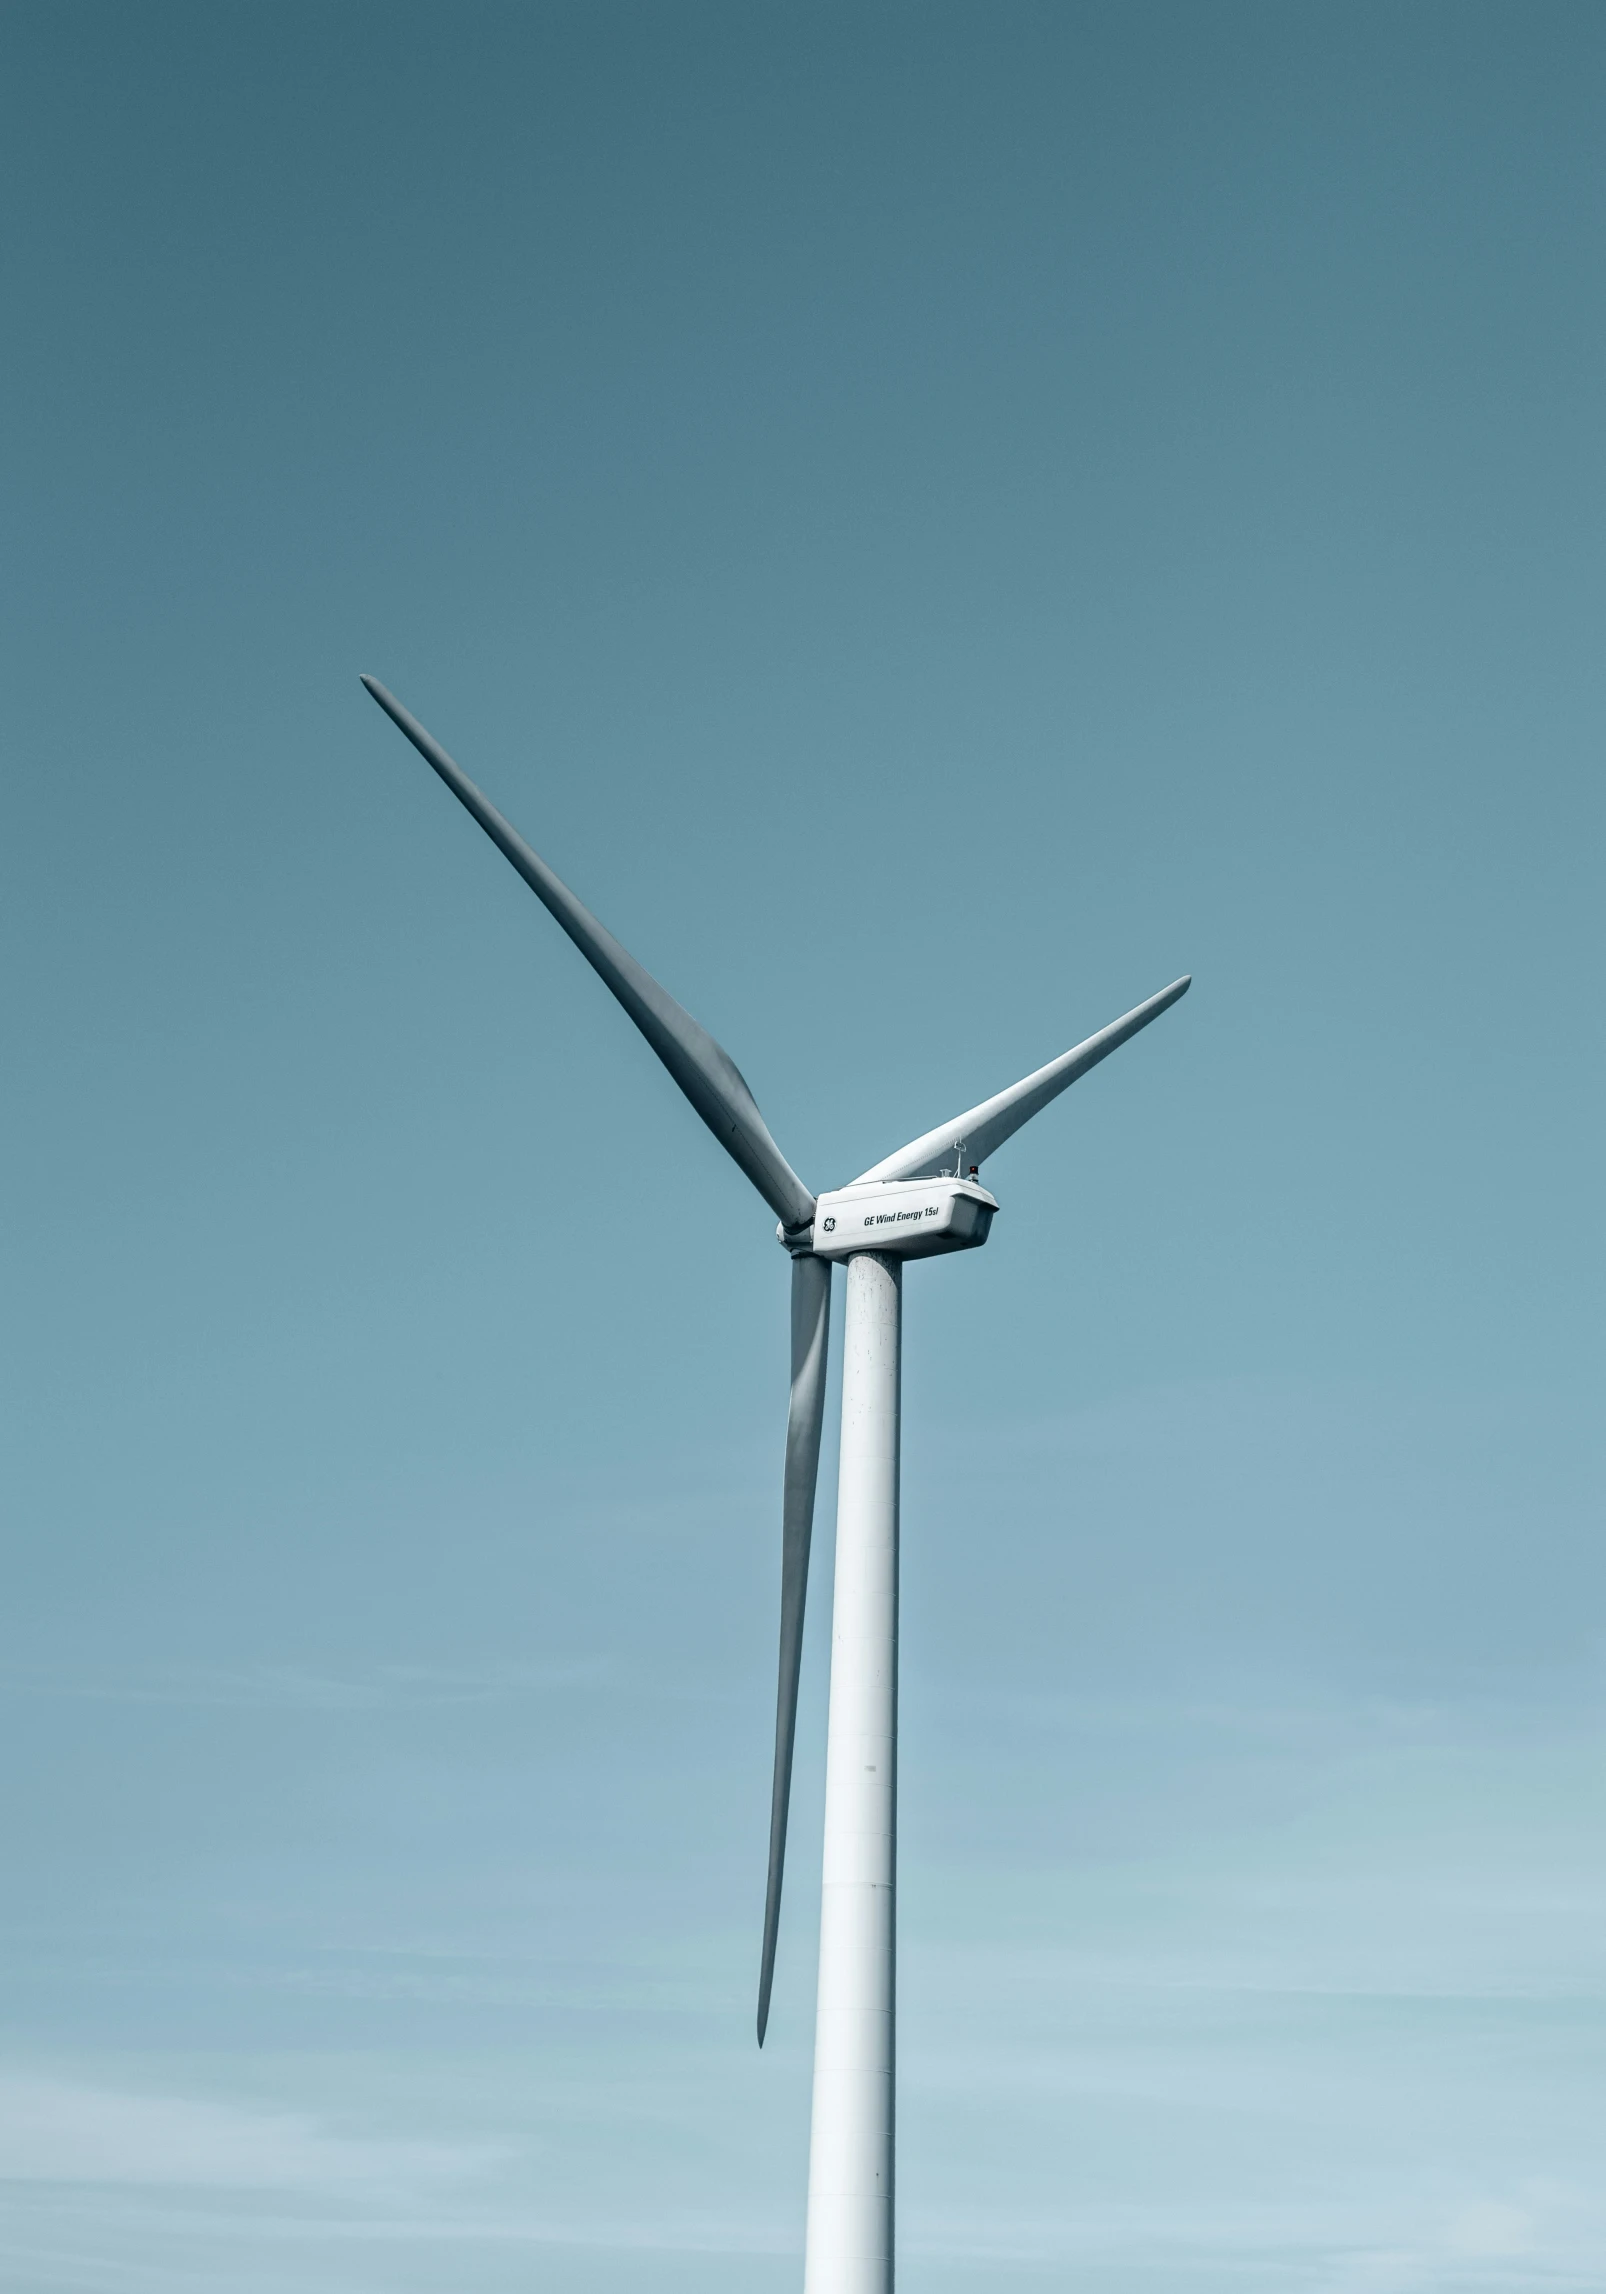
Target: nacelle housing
(903, 1218)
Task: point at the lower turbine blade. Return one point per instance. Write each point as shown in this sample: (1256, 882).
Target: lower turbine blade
(811, 1319)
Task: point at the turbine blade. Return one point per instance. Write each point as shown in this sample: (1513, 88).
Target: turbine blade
(980, 1130)
(705, 1072)
(811, 1322)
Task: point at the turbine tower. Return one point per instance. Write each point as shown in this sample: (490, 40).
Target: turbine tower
(922, 1202)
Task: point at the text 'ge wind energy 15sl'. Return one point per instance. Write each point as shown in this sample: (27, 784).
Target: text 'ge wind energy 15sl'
(922, 1202)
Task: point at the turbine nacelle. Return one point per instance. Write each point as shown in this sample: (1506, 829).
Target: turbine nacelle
(906, 1219)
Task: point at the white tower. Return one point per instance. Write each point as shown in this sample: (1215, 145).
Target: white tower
(851, 2144)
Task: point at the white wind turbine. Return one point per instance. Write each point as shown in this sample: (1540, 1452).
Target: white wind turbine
(921, 1202)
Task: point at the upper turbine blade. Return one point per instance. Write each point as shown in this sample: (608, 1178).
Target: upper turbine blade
(811, 1321)
(982, 1129)
(705, 1072)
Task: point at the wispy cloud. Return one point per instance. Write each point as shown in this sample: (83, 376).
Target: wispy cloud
(1533, 2234)
(268, 1687)
(60, 2130)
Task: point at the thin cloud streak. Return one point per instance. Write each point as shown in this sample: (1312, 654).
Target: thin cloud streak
(270, 1687)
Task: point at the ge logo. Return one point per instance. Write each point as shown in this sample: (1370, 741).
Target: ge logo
(830, 1226)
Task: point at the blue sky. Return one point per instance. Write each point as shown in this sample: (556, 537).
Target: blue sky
(935, 521)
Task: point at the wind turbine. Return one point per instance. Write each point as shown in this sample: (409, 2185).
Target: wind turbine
(921, 1202)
